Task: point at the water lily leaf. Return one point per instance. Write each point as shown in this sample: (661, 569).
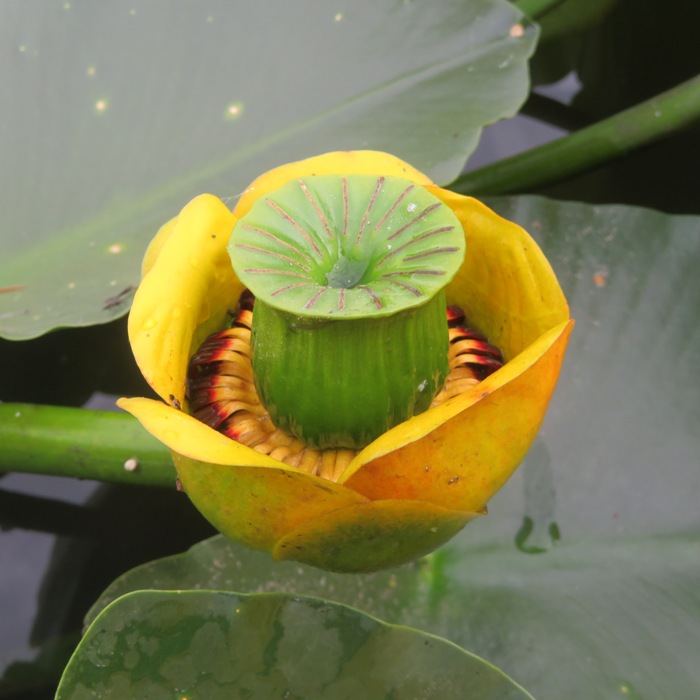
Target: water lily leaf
(221, 645)
(107, 134)
(584, 579)
(594, 618)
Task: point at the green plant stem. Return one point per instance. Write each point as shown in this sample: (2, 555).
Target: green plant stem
(535, 9)
(592, 146)
(80, 443)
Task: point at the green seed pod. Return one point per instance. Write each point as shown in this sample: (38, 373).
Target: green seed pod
(349, 334)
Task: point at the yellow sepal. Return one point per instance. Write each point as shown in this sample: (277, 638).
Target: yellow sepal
(186, 293)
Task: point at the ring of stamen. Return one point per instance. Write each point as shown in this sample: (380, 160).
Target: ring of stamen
(222, 394)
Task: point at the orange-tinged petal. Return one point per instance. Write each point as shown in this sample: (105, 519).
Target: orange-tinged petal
(459, 454)
(337, 163)
(259, 505)
(371, 536)
(248, 496)
(417, 485)
(506, 285)
(185, 294)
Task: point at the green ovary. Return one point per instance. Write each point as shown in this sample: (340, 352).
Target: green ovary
(349, 331)
(343, 383)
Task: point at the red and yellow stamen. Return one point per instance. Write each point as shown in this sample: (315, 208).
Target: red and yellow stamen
(222, 393)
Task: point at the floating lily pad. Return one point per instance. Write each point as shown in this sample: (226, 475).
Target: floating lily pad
(208, 644)
(593, 618)
(107, 134)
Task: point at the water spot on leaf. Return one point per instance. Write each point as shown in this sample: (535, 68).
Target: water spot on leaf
(233, 111)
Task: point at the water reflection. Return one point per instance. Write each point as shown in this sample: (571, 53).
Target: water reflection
(62, 542)
(539, 531)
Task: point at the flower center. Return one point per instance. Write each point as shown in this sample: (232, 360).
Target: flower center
(348, 338)
(222, 393)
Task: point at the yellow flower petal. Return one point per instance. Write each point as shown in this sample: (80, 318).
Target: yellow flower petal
(154, 247)
(248, 496)
(371, 536)
(337, 163)
(419, 483)
(258, 506)
(459, 454)
(506, 286)
(191, 438)
(185, 294)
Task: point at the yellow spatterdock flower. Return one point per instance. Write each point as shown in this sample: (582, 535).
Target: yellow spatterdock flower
(420, 478)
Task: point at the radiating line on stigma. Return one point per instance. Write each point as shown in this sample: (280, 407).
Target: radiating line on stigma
(373, 199)
(408, 273)
(393, 207)
(346, 207)
(268, 271)
(276, 207)
(310, 303)
(413, 290)
(290, 286)
(417, 239)
(427, 253)
(317, 208)
(299, 251)
(377, 301)
(415, 219)
(265, 251)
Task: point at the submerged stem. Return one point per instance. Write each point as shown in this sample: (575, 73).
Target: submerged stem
(607, 140)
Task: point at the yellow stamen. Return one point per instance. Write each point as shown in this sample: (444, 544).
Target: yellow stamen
(222, 394)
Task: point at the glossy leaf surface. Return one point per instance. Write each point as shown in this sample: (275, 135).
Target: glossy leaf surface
(584, 579)
(107, 133)
(594, 618)
(221, 645)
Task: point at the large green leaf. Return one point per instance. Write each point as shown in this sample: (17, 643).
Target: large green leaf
(584, 580)
(587, 619)
(115, 115)
(208, 644)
